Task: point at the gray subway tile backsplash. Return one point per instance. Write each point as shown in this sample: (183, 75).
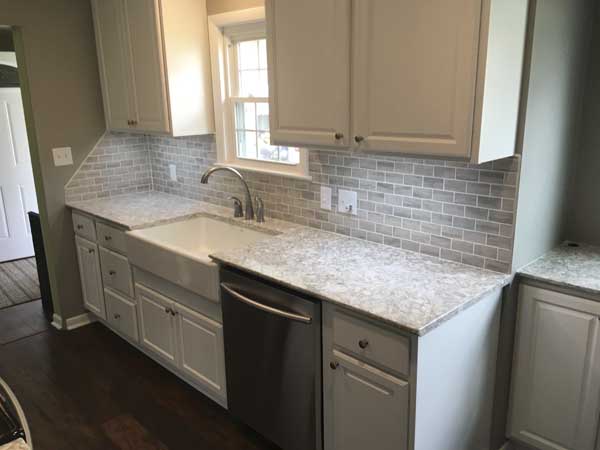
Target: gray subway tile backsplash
(449, 209)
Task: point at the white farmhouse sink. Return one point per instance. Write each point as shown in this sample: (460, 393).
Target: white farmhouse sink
(178, 252)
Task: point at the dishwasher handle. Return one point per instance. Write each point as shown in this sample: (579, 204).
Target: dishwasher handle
(269, 309)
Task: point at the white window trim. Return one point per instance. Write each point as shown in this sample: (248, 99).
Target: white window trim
(224, 120)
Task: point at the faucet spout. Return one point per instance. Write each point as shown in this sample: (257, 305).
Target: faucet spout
(249, 210)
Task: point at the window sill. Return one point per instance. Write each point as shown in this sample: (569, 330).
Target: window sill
(266, 171)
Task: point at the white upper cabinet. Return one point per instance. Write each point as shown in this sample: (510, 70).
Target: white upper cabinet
(435, 78)
(309, 71)
(154, 65)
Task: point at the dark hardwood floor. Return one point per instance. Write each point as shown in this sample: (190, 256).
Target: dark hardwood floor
(88, 389)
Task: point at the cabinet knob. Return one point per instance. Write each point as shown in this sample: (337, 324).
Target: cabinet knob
(168, 310)
(108, 238)
(363, 343)
(80, 227)
(134, 122)
(339, 136)
(112, 273)
(334, 365)
(359, 139)
(117, 316)
(91, 251)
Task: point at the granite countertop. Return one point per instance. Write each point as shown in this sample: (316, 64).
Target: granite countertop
(150, 209)
(409, 291)
(568, 267)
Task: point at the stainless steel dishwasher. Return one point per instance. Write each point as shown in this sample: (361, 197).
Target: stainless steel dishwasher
(273, 360)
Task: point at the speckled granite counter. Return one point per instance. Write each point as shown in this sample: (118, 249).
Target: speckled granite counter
(149, 209)
(410, 291)
(568, 267)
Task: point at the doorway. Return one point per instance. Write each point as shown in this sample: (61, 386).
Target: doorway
(18, 272)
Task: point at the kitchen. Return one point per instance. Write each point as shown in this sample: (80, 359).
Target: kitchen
(340, 235)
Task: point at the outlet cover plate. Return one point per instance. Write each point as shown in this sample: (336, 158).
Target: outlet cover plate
(326, 198)
(347, 202)
(173, 172)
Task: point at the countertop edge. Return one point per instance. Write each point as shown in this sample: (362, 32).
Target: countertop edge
(419, 332)
(559, 284)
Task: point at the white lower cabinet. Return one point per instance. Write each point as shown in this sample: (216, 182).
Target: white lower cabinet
(157, 322)
(370, 407)
(91, 277)
(121, 314)
(186, 339)
(556, 376)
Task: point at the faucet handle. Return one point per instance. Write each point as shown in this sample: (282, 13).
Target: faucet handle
(260, 209)
(238, 209)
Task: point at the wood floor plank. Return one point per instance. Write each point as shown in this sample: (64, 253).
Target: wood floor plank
(126, 433)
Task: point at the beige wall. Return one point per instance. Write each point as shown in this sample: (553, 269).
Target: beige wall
(221, 6)
(584, 217)
(55, 41)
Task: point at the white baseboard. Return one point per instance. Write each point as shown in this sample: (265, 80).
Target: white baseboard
(79, 321)
(57, 322)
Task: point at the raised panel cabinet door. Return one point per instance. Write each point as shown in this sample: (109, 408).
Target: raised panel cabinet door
(309, 71)
(157, 324)
(91, 278)
(414, 75)
(556, 380)
(201, 349)
(369, 408)
(144, 34)
(111, 43)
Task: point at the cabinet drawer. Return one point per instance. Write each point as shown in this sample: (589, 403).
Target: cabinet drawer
(84, 226)
(111, 238)
(372, 342)
(121, 314)
(116, 272)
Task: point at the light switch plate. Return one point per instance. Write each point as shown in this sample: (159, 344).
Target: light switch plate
(347, 202)
(326, 198)
(62, 156)
(173, 172)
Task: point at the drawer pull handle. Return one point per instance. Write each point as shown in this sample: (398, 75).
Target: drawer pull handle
(339, 136)
(334, 365)
(112, 273)
(117, 316)
(359, 139)
(80, 227)
(107, 238)
(91, 251)
(363, 343)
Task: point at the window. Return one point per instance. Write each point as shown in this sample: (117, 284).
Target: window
(240, 81)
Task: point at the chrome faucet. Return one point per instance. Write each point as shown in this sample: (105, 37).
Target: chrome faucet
(249, 211)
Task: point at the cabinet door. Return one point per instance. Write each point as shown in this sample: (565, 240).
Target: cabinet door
(111, 42)
(147, 65)
(556, 379)
(309, 71)
(366, 408)
(201, 349)
(157, 324)
(414, 75)
(91, 278)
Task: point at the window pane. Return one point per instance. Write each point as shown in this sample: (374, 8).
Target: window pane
(262, 53)
(266, 151)
(248, 55)
(245, 116)
(246, 144)
(262, 116)
(253, 83)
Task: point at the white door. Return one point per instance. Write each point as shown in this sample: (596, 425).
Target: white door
(113, 61)
(157, 324)
(556, 379)
(17, 189)
(365, 407)
(201, 348)
(91, 279)
(309, 71)
(144, 33)
(414, 75)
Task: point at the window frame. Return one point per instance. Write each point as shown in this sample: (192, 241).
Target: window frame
(224, 31)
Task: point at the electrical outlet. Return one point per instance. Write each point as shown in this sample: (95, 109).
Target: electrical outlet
(326, 198)
(173, 172)
(62, 156)
(347, 202)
